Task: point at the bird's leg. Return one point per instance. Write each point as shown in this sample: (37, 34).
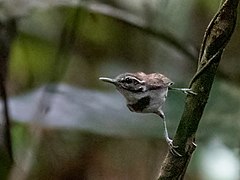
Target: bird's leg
(184, 90)
(169, 141)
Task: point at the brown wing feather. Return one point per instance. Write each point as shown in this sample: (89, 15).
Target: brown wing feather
(159, 80)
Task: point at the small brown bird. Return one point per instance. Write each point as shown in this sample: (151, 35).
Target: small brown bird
(146, 93)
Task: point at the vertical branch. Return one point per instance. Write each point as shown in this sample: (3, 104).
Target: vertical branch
(7, 33)
(216, 37)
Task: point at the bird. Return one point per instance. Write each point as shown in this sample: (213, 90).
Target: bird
(147, 93)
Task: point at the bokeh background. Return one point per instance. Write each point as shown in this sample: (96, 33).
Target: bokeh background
(69, 125)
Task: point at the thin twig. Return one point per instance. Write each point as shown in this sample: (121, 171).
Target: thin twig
(138, 23)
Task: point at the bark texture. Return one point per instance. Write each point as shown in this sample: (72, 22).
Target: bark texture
(217, 35)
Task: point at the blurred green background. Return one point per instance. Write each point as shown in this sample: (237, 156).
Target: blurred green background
(69, 125)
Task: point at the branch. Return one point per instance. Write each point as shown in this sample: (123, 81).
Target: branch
(216, 37)
(7, 33)
(138, 23)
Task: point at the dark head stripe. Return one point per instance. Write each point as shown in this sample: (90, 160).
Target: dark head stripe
(132, 89)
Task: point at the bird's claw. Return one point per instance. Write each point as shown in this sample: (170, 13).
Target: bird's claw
(173, 148)
(184, 90)
(188, 91)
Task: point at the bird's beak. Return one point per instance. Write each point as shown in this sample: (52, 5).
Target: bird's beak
(108, 80)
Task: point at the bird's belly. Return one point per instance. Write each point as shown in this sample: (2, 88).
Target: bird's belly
(140, 105)
(153, 106)
(147, 103)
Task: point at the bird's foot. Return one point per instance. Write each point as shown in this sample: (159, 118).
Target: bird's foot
(184, 90)
(173, 148)
(188, 91)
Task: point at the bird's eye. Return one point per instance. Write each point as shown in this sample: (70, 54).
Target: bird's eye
(128, 80)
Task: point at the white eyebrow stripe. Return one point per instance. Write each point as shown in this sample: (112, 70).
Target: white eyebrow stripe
(132, 77)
